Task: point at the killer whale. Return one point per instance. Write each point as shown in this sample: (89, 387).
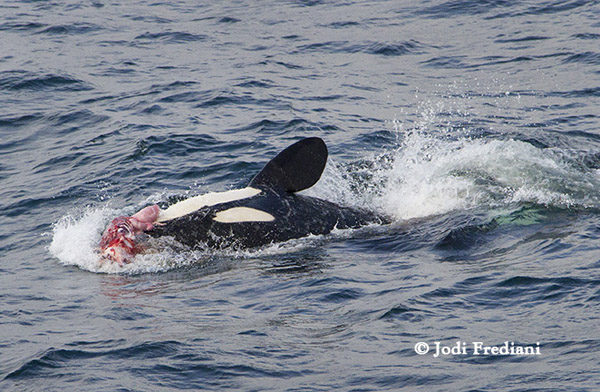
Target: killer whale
(268, 210)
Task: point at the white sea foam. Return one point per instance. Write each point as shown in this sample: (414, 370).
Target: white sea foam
(431, 174)
(431, 177)
(76, 237)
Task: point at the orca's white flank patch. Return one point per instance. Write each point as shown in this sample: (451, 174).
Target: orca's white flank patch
(243, 214)
(192, 204)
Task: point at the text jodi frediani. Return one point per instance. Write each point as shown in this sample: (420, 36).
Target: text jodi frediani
(478, 348)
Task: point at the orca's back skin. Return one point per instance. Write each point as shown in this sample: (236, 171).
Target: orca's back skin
(295, 216)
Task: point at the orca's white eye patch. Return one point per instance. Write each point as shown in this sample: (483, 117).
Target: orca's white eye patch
(243, 214)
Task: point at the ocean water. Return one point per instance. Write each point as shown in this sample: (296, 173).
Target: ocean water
(473, 124)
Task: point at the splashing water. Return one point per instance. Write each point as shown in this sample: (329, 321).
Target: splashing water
(435, 176)
(429, 174)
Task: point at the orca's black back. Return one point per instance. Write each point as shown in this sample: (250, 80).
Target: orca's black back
(295, 217)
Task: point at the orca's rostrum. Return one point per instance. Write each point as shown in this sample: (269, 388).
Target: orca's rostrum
(269, 210)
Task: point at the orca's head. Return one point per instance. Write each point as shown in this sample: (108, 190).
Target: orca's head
(118, 243)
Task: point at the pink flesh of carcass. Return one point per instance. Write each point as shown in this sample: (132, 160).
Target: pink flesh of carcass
(118, 241)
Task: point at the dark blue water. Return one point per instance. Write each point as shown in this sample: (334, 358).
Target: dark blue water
(474, 124)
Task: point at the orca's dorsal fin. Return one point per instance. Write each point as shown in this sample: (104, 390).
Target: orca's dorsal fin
(294, 169)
